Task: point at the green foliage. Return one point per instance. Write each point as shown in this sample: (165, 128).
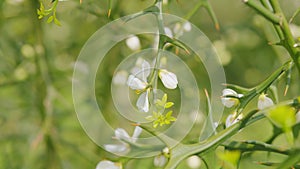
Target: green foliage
(158, 118)
(42, 12)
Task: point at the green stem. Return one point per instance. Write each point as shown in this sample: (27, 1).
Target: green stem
(289, 41)
(263, 11)
(251, 146)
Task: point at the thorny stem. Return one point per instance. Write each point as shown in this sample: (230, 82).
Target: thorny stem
(278, 19)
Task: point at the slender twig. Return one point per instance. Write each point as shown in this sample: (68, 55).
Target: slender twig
(263, 11)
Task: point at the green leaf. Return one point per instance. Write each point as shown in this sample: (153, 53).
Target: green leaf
(231, 157)
(50, 19)
(283, 117)
(169, 105)
(56, 21)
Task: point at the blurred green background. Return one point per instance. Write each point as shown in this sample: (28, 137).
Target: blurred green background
(38, 125)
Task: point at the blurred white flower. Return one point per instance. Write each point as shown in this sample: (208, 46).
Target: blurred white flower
(295, 29)
(135, 83)
(169, 79)
(138, 81)
(123, 137)
(120, 77)
(133, 43)
(105, 164)
(232, 119)
(180, 28)
(143, 101)
(165, 2)
(264, 102)
(160, 160)
(168, 32)
(230, 101)
(194, 162)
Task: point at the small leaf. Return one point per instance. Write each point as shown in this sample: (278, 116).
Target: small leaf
(50, 19)
(231, 157)
(164, 98)
(56, 21)
(169, 104)
(283, 117)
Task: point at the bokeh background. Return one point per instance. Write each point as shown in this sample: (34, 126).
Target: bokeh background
(38, 125)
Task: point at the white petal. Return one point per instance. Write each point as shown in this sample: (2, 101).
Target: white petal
(120, 77)
(145, 70)
(137, 131)
(264, 102)
(117, 148)
(121, 134)
(105, 164)
(168, 32)
(231, 120)
(229, 92)
(165, 2)
(135, 83)
(160, 160)
(169, 79)
(178, 29)
(133, 43)
(229, 102)
(187, 26)
(143, 102)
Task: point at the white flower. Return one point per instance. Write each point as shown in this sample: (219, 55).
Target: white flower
(264, 102)
(194, 161)
(122, 135)
(143, 102)
(228, 101)
(120, 77)
(169, 79)
(160, 160)
(105, 164)
(187, 26)
(232, 119)
(138, 81)
(165, 2)
(180, 28)
(133, 43)
(135, 83)
(121, 148)
(168, 32)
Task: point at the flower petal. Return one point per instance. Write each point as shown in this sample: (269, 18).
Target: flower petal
(133, 43)
(187, 26)
(137, 131)
(231, 120)
(160, 160)
(120, 77)
(264, 102)
(168, 32)
(145, 70)
(229, 102)
(121, 134)
(105, 164)
(169, 79)
(117, 148)
(143, 102)
(135, 83)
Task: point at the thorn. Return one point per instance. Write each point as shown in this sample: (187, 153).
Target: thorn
(286, 90)
(176, 50)
(275, 43)
(217, 26)
(206, 93)
(135, 124)
(224, 84)
(108, 13)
